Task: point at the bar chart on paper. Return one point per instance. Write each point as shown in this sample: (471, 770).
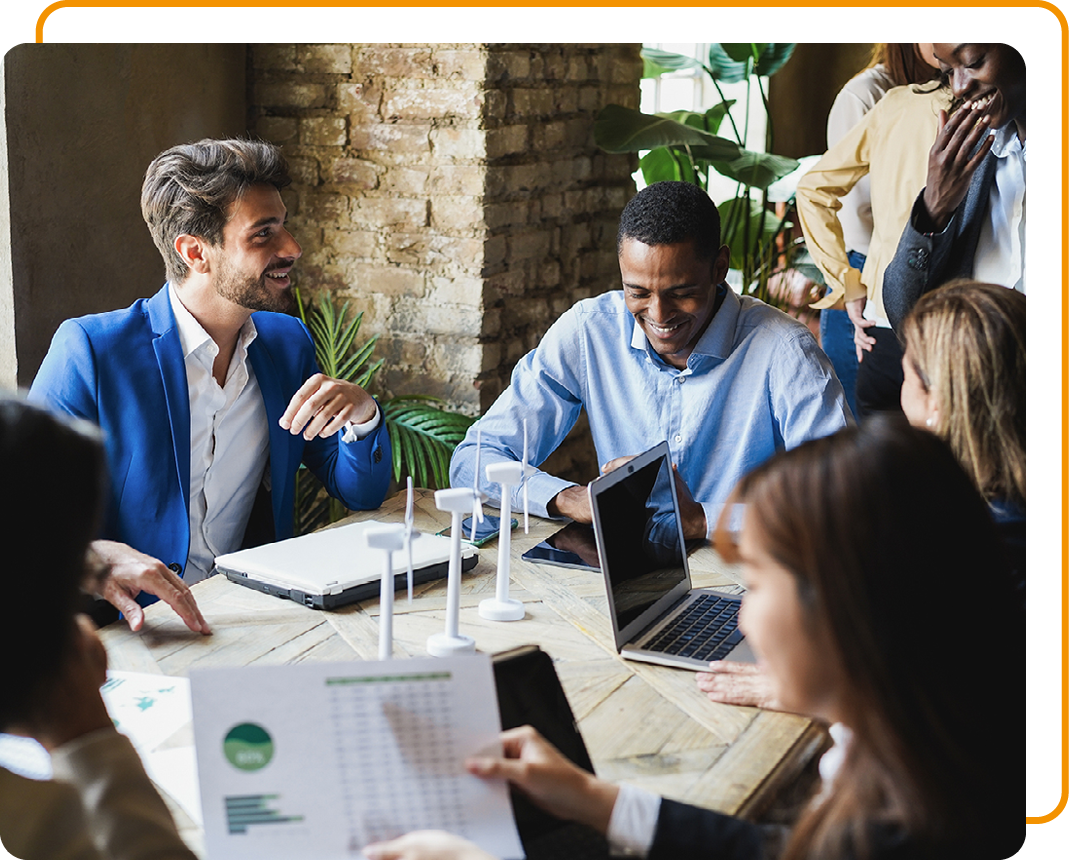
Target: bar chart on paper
(327, 758)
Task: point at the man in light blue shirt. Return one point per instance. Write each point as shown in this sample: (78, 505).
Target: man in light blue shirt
(675, 355)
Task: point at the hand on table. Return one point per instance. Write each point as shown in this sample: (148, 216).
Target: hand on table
(426, 845)
(130, 572)
(950, 165)
(322, 406)
(733, 683)
(863, 341)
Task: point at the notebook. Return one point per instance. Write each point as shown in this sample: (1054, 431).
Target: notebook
(657, 617)
(334, 567)
(529, 693)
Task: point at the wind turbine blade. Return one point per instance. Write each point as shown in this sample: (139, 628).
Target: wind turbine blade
(526, 508)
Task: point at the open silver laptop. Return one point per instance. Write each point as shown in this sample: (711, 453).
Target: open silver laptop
(657, 617)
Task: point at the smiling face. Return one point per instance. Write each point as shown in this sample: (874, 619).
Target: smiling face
(795, 652)
(671, 292)
(251, 267)
(990, 76)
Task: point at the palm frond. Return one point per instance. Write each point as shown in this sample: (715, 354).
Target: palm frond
(423, 437)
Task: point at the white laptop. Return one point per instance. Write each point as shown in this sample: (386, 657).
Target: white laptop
(333, 567)
(657, 617)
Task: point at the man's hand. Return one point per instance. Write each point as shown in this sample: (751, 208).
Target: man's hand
(534, 765)
(322, 406)
(734, 683)
(572, 502)
(426, 845)
(863, 341)
(690, 512)
(950, 167)
(131, 572)
(71, 705)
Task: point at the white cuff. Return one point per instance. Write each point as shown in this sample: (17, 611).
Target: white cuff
(355, 432)
(633, 822)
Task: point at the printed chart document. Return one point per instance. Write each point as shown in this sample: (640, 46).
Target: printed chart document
(321, 759)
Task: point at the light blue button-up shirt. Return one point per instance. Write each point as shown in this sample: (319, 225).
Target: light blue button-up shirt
(756, 382)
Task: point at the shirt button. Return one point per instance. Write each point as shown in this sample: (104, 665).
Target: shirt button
(679, 438)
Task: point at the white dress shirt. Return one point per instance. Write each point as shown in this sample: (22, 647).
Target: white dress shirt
(228, 443)
(1000, 249)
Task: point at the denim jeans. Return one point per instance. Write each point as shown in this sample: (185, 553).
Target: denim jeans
(837, 341)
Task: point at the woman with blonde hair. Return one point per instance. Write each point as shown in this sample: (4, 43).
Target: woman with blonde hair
(964, 379)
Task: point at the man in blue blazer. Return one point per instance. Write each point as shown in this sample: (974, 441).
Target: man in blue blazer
(208, 393)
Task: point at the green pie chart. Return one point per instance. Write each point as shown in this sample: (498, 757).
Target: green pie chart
(248, 746)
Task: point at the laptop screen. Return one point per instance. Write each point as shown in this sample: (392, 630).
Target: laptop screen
(641, 541)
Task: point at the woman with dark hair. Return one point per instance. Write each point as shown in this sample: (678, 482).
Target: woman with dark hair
(857, 604)
(102, 803)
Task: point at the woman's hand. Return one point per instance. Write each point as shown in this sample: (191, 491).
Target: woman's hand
(950, 167)
(535, 766)
(426, 845)
(732, 683)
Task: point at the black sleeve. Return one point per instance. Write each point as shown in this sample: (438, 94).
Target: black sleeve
(686, 831)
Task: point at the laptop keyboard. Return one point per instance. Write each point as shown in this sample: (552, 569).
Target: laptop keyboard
(706, 630)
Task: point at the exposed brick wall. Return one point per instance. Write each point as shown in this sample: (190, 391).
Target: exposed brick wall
(454, 193)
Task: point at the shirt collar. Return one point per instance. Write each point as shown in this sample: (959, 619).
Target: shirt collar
(1006, 141)
(192, 333)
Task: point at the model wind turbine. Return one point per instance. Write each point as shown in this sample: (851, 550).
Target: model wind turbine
(457, 501)
(501, 607)
(392, 538)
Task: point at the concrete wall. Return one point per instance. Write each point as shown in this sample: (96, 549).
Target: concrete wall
(82, 122)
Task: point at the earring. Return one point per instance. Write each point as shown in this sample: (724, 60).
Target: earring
(929, 422)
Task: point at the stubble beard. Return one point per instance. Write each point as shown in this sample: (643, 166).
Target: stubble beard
(255, 294)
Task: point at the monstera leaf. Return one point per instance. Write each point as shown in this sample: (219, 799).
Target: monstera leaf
(620, 129)
(756, 169)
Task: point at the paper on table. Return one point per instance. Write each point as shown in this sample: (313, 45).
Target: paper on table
(321, 759)
(175, 771)
(146, 708)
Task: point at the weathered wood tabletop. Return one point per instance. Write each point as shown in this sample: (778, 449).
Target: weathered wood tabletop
(672, 741)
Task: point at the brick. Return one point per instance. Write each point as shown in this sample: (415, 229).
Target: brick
(386, 280)
(503, 66)
(548, 135)
(458, 179)
(528, 245)
(505, 285)
(469, 65)
(405, 182)
(590, 99)
(516, 178)
(400, 138)
(508, 140)
(323, 131)
(352, 243)
(458, 143)
(460, 290)
(382, 212)
(374, 60)
(292, 95)
(496, 104)
(506, 214)
(462, 212)
(324, 209)
(424, 318)
(361, 101)
(567, 100)
(304, 171)
(464, 102)
(354, 172)
(532, 102)
(326, 59)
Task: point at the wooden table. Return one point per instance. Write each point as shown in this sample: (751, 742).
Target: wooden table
(673, 740)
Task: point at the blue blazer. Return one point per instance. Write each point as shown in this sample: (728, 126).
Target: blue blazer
(125, 371)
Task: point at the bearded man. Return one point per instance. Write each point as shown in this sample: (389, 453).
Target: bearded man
(208, 393)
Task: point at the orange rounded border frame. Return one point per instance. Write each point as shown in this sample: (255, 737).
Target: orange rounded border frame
(1055, 11)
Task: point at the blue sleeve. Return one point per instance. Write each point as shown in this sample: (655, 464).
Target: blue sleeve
(807, 397)
(358, 473)
(66, 380)
(546, 389)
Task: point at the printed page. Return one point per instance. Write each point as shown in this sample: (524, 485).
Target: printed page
(322, 759)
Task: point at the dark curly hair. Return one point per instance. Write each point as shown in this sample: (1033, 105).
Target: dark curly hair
(666, 213)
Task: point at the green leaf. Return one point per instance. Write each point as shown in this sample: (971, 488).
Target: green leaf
(659, 165)
(620, 129)
(742, 52)
(423, 437)
(762, 228)
(723, 67)
(756, 169)
(657, 62)
(773, 57)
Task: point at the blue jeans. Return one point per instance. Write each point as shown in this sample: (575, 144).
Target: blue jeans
(837, 341)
